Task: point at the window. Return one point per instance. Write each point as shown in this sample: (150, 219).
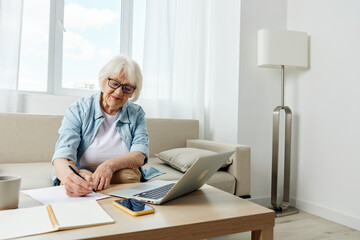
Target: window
(91, 36)
(34, 46)
(66, 42)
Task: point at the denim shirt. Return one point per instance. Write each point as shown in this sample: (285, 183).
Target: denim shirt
(81, 123)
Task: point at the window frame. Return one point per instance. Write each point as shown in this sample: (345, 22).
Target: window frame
(55, 48)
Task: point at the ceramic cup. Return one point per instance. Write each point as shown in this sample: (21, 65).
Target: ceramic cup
(9, 192)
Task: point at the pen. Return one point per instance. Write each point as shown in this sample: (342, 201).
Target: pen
(72, 169)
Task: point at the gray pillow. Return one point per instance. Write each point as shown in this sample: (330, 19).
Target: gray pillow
(183, 158)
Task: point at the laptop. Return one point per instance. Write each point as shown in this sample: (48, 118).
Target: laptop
(160, 191)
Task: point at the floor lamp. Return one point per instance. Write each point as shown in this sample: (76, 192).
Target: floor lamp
(277, 49)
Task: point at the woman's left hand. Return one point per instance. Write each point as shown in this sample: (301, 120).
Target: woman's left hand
(102, 176)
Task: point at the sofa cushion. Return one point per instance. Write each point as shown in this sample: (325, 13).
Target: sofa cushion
(33, 175)
(221, 179)
(28, 137)
(183, 158)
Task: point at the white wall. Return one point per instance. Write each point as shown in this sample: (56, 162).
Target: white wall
(259, 91)
(326, 100)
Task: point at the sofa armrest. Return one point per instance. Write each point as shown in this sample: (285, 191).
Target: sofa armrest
(240, 168)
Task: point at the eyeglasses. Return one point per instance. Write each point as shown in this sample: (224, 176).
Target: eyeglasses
(125, 87)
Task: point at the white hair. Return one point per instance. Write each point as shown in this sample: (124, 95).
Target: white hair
(125, 67)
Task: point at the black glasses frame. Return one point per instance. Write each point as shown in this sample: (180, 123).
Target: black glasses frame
(124, 87)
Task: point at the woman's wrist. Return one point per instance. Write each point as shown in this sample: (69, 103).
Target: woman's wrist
(111, 164)
(129, 160)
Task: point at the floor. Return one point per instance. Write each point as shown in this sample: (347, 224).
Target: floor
(303, 226)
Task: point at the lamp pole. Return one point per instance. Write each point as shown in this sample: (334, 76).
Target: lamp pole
(282, 85)
(284, 208)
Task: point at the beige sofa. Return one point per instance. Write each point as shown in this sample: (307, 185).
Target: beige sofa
(27, 144)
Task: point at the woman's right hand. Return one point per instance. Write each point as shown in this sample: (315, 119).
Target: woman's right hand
(75, 186)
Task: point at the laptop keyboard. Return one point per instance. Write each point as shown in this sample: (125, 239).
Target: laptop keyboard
(156, 193)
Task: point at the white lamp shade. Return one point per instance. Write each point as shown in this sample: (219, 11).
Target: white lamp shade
(282, 47)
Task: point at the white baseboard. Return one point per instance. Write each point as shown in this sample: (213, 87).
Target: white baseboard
(329, 214)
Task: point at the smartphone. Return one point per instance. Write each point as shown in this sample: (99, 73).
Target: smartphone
(134, 207)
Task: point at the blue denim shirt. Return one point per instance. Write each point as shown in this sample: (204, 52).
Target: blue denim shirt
(81, 123)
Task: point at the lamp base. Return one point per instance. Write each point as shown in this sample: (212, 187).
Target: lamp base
(285, 212)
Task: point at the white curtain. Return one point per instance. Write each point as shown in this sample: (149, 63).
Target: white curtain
(10, 34)
(175, 59)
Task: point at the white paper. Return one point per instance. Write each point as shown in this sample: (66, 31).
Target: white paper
(57, 194)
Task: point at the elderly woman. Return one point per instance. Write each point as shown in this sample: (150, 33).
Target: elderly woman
(103, 136)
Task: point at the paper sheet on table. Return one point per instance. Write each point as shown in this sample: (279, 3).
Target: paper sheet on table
(57, 194)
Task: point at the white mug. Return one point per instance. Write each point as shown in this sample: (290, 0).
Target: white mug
(9, 192)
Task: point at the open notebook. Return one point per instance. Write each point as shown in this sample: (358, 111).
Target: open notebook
(50, 218)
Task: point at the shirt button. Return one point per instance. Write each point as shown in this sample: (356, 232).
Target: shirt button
(91, 134)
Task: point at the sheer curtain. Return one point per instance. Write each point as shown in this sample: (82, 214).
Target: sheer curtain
(175, 59)
(10, 35)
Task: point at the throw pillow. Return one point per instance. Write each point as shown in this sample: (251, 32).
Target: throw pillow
(183, 158)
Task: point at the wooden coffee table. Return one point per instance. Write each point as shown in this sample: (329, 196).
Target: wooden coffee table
(207, 212)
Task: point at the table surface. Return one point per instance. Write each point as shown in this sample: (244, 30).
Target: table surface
(207, 212)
